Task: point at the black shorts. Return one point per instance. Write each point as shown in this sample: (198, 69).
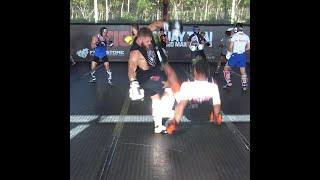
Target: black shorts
(154, 84)
(198, 53)
(99, 60)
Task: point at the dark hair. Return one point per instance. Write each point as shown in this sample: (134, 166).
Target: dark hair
(161, 29)
(201, 66)
(136, 26)
(102, 29)
(238, 27)
(144, 32)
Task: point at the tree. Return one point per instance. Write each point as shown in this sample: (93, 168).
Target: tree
(107, 11)
(128, 6)
(188, 11)
(84, 7)
(96, 11)
(233, 11)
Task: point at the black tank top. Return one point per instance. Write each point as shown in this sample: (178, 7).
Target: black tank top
(152, 60)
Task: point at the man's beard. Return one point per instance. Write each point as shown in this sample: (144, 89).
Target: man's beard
(145, 46)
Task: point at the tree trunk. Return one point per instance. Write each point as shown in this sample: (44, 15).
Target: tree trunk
(233, 11)
(206, 11)
(158, 10)
(128, 6)
(165, 10)
(71, 12)
(95, 11)
(121, 11)
(241, 14)
(82, 12)
(137, 10)
(174, 10)
(225, 10)
(217, 11)
(107, 11)
(187, 17)
(182, 12)
(194, 13)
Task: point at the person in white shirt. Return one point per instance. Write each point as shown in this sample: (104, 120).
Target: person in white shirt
(236, 56)
(224, 44)
(200, 90)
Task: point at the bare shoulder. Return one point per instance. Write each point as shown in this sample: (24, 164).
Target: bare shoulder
(135, 55)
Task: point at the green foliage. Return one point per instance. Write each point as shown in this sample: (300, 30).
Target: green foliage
(144, 11)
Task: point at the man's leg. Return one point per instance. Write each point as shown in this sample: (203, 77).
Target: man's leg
(219, 63)
(172, 77)
(242, 65)
(108, 69)
(244, 78)
(167, 103)
(157, 114)
(93, 69)
(227, 76)
(153, 88)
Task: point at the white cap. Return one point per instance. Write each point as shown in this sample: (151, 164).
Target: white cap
(230, 29)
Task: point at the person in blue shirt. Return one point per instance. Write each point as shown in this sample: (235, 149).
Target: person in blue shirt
(99, 43)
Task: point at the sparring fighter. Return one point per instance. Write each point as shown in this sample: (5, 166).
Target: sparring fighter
(196, 43)
(146, 58)
(224, 44)
(100, 42)
(164, 40)
(236, 57)
(176, 28)
(201, 91)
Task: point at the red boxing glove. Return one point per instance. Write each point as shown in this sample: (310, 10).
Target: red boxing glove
(216, 118)
(171, 126)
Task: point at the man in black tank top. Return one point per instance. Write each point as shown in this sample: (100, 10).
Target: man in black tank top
(144, 70)
(146, 58)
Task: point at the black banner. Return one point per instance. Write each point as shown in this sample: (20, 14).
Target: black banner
(80, 38)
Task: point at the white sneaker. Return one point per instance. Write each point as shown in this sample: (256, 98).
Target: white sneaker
(244, 88)
(92, 80)
(109, 82)
(160, 129)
